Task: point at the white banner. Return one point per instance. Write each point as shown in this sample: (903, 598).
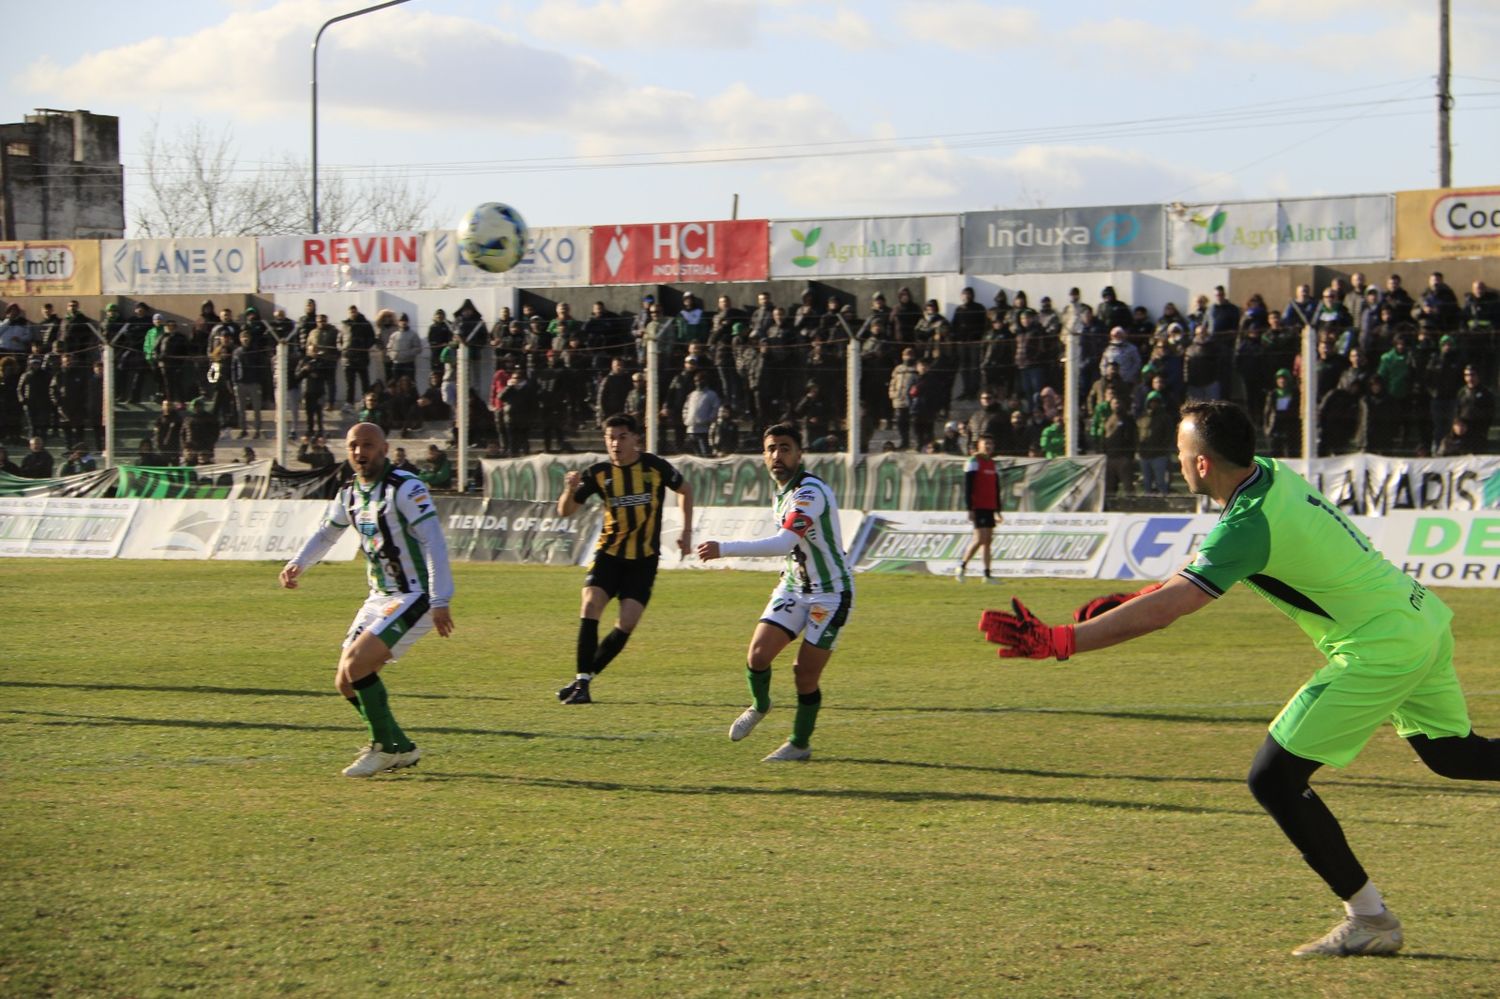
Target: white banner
(229, 529)
(1154, 546)
(1454, 548)
(556, 257)
(821, 248)
(732, 523)
(373, 262)
(1063, 545)
(1371, 484)
(141, 267)
(1276, 232)
(63, 528)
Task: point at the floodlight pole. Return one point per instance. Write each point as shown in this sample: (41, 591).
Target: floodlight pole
(317, 38)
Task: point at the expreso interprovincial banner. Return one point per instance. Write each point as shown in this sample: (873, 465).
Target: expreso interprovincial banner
(140, 267)
(1313, 230)
(556, 257)
(373, 262)
(1064, 240)
(63, 528)
(1024, 544)
(858, 247)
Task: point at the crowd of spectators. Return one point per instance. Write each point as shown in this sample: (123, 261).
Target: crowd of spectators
(1395, 373)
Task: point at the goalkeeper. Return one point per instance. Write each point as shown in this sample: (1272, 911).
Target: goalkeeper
(1386, 638)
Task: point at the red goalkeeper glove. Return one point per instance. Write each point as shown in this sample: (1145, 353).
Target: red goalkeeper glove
(1023, 635)
(1099, 605)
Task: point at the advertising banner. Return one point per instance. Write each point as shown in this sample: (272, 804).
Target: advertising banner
(1025, 544)
(735, 523)
(887, 481)
(378, 261)
(87, 484)
(253, 480)
(490, 530)
(1459, 548)
(663, 252)
(825, 248)
(49, 267)
(229, 529)
(1315, 230)
(555, 258)
(1063, 240)
(1154, 546)
(1369, 484)
(178, 266)
(1448, 222)
(63, 528)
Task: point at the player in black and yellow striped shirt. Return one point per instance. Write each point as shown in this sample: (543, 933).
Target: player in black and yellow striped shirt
(632, 484)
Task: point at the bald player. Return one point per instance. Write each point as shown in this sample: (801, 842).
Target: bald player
(411, 585)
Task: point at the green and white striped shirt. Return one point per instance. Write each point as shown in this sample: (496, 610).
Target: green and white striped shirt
(809, 538)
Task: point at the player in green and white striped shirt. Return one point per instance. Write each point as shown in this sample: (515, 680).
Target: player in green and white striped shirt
(411, 584)
(814, 596)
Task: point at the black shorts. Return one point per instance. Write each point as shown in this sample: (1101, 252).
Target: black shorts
(626, 578)
(982, 518)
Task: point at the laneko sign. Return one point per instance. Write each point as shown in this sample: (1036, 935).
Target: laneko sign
(1448, 222)
(664, 252)
(556, 256)
(178, 266)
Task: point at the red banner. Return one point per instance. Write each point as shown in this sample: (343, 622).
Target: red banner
(663, 252)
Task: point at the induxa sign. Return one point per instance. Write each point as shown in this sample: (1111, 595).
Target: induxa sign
(1066, 239)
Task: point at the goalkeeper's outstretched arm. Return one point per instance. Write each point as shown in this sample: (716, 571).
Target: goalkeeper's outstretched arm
(1141, 616)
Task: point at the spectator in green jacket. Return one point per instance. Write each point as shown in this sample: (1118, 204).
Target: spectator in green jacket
(1053, 443)
(439, 473)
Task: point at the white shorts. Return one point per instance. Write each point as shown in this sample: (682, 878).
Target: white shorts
(397, 619)
(817, 617)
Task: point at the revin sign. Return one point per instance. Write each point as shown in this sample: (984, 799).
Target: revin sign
(663, 252)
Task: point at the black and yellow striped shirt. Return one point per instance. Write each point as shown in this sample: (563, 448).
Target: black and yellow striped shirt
(632, 497)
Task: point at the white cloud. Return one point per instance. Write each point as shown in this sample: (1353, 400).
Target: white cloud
(1145, 47)
(844, 27)
(939, 179)
(968, 24)
(649, 24)
(402, 68)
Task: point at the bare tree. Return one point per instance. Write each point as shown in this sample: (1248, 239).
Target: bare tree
(193, 185)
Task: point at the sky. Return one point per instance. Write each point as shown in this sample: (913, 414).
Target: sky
(590, 112)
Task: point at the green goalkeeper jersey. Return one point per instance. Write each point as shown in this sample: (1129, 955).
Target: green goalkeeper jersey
(1288, 543)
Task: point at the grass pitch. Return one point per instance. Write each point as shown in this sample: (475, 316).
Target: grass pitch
(175, 821)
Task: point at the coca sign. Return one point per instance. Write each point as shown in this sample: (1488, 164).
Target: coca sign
(664, 252)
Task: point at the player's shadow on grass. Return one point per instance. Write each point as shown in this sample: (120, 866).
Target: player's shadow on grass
(230, 691)
(61, 718)
(836, 794)
(1437, 784)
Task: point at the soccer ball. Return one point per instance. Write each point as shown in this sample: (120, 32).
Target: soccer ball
(493, 237)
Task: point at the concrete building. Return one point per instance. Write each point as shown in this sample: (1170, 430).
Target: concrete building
(61, 178)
